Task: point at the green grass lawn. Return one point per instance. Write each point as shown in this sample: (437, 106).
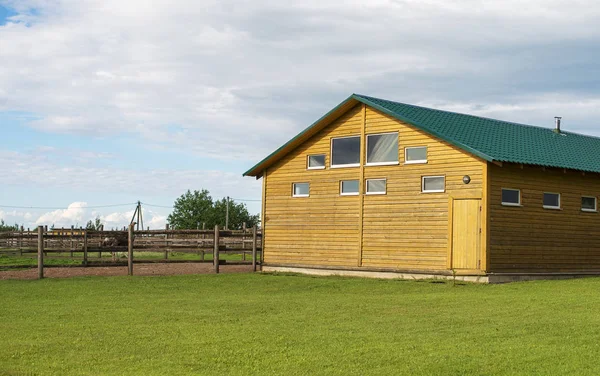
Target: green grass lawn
(240, 324)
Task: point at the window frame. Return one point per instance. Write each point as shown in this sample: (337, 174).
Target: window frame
(331, 165)
(436, 190)
(294, 190)
(317, 167)
(419, 161)
(595, 210)
(367, 163)
(349, 193)
(549, 206)
(510, 203)
(375, 193)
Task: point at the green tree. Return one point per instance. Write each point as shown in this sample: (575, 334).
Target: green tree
(194, 208)
(191, 209)
(238, 214)
(5, 228)
(95, 225)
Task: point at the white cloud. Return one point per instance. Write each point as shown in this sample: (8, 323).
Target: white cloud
(73, 215)
(239, 78)
(38, 169)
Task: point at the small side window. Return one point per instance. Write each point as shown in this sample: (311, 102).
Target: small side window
(349, 187)
(415, 155)
(433, 184)
(376, 186)
(511, 197)
(300, 189)
(589, 204)
(551, 200)
(316, 162)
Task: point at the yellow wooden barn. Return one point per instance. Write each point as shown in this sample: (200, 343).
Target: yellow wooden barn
(380, 188)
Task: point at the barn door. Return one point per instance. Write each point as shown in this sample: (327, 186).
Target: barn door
(466, 233)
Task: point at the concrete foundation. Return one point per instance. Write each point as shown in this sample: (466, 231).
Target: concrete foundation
(489, 278)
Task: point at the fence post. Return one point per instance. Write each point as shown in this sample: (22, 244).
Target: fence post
(21, 242)
(167, 242)
(72, 239)
(45, 244)
(130, 250)
(254, 248)
(41, 252)
(85, 247)
(216, 250)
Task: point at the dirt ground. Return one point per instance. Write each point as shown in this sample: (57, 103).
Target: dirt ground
(138, 269)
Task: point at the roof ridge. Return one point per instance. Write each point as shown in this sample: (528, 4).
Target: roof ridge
(469, 115)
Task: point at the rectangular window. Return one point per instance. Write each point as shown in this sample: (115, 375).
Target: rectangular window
(300, 189)
(511, 197)
(551, 200)
(382, 149)
(376, 186)
(345, 151)
(588, 204)
(316, 162)
(349, 187)
(433, 184)
(415, 155)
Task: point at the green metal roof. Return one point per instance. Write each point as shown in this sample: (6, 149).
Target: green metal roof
(490, 139)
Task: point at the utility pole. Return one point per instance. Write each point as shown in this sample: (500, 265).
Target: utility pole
(227, 215)
(140, 217)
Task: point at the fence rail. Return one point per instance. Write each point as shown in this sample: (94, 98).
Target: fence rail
(91, 244)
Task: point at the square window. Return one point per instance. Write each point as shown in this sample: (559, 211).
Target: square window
(349, 187)
(433, 184)
(551, 200)
(300, 190)
(382, 148)
(376, 186)
(588, 204)
(511, 197)
(415, 155)
(316, 162)
(345, 152)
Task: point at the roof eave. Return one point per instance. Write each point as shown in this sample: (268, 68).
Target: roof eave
(258, 169)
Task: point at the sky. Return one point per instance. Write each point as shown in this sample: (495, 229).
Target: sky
(105, 102)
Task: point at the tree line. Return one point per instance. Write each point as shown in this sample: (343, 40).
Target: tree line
(191, 211)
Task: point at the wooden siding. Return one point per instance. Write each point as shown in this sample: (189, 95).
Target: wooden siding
(403, 229)
(530, 238)
(407, 229)
(322, 229)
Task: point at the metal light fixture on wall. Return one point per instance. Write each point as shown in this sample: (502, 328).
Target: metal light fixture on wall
(466, 179)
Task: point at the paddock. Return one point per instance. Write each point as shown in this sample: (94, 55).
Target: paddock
(80, 252)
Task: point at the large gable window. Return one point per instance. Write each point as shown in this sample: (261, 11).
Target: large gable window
(345, 152)
(382, 148)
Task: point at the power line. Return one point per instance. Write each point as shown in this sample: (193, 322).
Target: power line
(157, 206)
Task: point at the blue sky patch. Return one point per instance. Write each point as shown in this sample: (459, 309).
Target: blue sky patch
(5, 13)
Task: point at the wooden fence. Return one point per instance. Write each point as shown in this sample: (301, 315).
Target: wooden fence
(91, 245)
